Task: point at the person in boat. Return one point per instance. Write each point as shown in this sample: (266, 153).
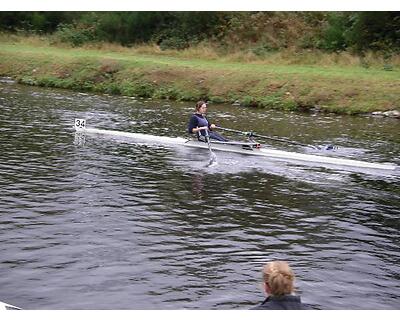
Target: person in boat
(278, 283)
(198, 124)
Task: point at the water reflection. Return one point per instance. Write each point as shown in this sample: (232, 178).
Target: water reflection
(198, 185)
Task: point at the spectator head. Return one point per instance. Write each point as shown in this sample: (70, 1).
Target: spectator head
(278, 278)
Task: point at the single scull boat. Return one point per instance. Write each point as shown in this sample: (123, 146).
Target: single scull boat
(248, 148)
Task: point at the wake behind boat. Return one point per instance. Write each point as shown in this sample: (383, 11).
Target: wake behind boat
(247, 148)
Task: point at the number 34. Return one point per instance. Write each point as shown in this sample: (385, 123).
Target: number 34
(80, 123)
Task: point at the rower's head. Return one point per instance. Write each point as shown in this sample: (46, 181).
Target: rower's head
(201, 106)
(278, 278)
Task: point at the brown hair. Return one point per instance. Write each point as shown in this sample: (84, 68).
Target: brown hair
(199, 104)
(279, 277)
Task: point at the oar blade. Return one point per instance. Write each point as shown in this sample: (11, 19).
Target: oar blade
(213, 160)
(213, 156)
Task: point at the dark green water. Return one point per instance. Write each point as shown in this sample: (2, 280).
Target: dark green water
(107, 223)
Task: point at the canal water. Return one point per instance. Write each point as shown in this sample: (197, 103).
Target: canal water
(97, 222)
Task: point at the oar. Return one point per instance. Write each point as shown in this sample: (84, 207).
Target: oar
(252, 134)
(213, 157)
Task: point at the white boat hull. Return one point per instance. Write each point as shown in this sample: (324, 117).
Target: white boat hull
(265, 152)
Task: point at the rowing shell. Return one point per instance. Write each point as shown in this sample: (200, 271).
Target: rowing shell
(237, 147)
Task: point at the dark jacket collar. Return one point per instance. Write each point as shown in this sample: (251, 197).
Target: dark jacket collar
(286, 302)
(285, 298)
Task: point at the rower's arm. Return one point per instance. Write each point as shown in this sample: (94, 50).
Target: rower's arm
(195, 130)
(193, 126)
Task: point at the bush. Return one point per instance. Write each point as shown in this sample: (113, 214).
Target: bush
(39, 22)
(76, 35)
(47, 81)
(362, 31)
(309, 42)
(217, 99)
(289, 105)
(333, 37)
(137, 88)
(374, 30)
(166, 93)
(249, 101)
(273, 102)
(263, 49)
(176, 43)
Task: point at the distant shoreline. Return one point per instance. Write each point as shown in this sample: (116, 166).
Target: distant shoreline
(337, 89)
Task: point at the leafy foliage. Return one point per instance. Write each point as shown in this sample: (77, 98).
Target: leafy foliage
(40, 22)
(75, 34)
(256, 32)
(362, 31)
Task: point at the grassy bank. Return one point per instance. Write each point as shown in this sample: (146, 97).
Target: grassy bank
(341, 89)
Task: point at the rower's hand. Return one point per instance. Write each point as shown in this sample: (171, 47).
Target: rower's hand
(213, 126)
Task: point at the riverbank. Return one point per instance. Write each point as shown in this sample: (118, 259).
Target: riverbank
(346, 90)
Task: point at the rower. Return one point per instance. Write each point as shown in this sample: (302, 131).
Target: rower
(198, 124)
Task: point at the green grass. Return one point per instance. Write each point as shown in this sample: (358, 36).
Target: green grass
(350, 72)
(350, 90)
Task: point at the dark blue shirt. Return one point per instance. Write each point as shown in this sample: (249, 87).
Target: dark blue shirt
(198, 120)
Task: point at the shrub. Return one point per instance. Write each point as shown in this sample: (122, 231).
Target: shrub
(75, 35)
(273, 102)
(139, 88)
(249, 101)
(217, 99)
(289, 105)
(112, 88)
(47, 81)
(176, 43)
(263, 49)
(333, 37)
(166, 93)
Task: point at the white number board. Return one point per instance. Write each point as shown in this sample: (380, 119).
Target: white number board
(80, 124)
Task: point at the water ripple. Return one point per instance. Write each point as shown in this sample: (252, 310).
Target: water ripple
(97, 223)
